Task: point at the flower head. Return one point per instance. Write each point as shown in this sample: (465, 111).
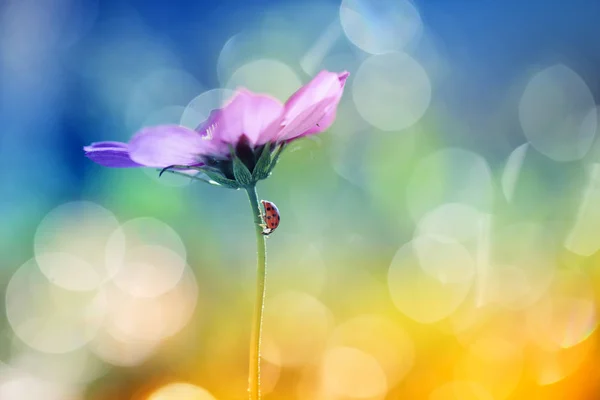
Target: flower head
(239, 143)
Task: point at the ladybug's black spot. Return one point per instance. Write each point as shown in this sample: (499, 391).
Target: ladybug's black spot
(269, 217)
(268, 208)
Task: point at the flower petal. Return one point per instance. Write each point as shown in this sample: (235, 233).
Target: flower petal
(186, 171)
(99, 145)
(165, 145)
(257, 116)
(110, 154)
(312, 108)
(208, 131)
(323, 124)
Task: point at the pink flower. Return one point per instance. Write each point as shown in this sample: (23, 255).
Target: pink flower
(252, 128)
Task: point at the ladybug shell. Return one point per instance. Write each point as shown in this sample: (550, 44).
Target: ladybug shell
(271, 216)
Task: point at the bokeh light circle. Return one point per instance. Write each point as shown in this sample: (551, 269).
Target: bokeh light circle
(512, 170)
(151, 318)
(582, 238)
(350, 373)
(509, 286)
(522, 272)
(566, 315)
(180, 303)
(198, 110)
(285, 315)
(68, 271)
(134, 318)
(450, 175)
(266, 76)
(574, 320)
(444, 258)
(49, 318)
(456, 221)
(282, 35)
(555, 114)
(380, 337)
(348, 155)
(552, 366)
(149, 271)
(380, 26)
(70, 243)
(228, 60)
(121, 353)
(77, 367)
(168, 115)
(158, 89)
(419, 295)
(181, 391)
(495, 362)
(20, 385)
(448, 239)
(144, 231)
(460, 390)
(299, 268)
(391, 91)
(594, 153)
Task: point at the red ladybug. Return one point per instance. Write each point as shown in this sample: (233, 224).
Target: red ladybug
(270, 217)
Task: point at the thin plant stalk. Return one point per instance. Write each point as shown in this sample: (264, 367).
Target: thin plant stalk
(259, 303)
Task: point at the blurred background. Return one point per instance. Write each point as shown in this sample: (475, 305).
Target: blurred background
(439, 242)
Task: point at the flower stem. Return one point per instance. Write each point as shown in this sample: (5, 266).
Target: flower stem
(257, 319)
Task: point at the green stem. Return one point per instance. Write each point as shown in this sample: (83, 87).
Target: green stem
(257, 319)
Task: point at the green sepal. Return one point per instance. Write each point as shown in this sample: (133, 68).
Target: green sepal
(275, 158)
(242, 174)
(263, 165)
(191, 177)
(221, 180)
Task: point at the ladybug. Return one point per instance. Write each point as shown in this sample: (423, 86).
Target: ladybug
(270, 217)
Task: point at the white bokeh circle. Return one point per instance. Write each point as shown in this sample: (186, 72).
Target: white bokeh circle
(143, 231)
(391, 91)
(419, 295)
(70, 242)
(380, 26)
(450, 175)
(556, 115)
(49, 318)
(199, 109)
(266, 76)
